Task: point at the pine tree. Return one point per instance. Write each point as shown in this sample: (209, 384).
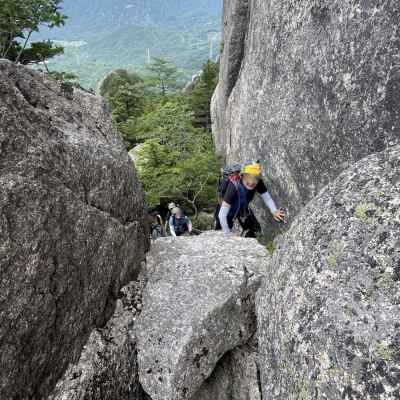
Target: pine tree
(114, 80)
(200, 98)
(19, 19)
(163, 76)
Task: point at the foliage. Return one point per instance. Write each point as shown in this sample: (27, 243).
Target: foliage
(126, 102)
(204, 222)
(63, 76)
(267, 240)
(168, 120)
(114, 80)
(36, 53)
(200, 99)
(104, 35)
(19, 19)
(198, 176)
(163, 76)
(125, 93)
(177, 160)
(156, 170)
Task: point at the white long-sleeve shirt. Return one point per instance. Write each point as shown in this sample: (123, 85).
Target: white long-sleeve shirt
(224, 211)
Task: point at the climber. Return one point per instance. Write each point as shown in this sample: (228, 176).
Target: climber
(156, 224)
(157, 229)
(171, 207)
(179, 224)
(230, 173)
(237, 197)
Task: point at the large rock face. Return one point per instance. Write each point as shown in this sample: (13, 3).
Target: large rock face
(71, 227)
(329, 309)
(309, 87)
(107, 368)
(198, 305)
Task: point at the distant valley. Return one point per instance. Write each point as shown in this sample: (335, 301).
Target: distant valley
(103, 35)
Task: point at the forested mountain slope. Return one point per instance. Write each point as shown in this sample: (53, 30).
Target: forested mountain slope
(102, 35)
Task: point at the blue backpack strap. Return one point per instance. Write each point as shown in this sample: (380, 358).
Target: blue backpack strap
(242, 198)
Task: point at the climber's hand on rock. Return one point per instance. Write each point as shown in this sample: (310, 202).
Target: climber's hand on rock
(279, 216)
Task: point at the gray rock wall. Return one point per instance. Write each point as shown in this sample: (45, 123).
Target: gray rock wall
(309, 87)
(198, 305)
(107, 368)
(71, 227)
(328, 310)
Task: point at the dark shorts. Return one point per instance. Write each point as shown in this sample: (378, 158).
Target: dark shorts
(248, 223)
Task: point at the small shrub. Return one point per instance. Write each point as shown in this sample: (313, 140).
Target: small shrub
(204, 222)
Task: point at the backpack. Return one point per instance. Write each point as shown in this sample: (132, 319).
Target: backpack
(229, 174)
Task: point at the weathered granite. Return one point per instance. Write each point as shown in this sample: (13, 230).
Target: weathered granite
(71, 227)
(107, 368)
(309, 87)
(198, 305)
(329, 308)
(234, 378)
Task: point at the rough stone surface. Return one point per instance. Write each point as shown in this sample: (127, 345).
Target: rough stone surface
(107, 368)
(198, 304)
(329, 309)
(190, 86)
(234, 378)
(309, 87)
(71, 231)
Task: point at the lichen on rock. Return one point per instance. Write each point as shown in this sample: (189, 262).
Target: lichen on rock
(328, 310)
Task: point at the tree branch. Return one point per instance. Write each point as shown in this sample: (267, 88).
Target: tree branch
(23, 47)
(8, 44)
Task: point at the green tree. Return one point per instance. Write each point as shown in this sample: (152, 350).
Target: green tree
(200, 98)
(126, 102)
(126, 95)
(170, 121)
(198, 176)
(163, 76)
(157, 171)
(64, 76)
(115, 79)
(176, 160)
(19, 19)
(165, 173)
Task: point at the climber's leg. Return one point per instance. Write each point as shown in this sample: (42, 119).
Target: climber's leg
(251, 227)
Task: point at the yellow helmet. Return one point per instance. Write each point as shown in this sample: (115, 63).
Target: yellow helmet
(253, 169)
